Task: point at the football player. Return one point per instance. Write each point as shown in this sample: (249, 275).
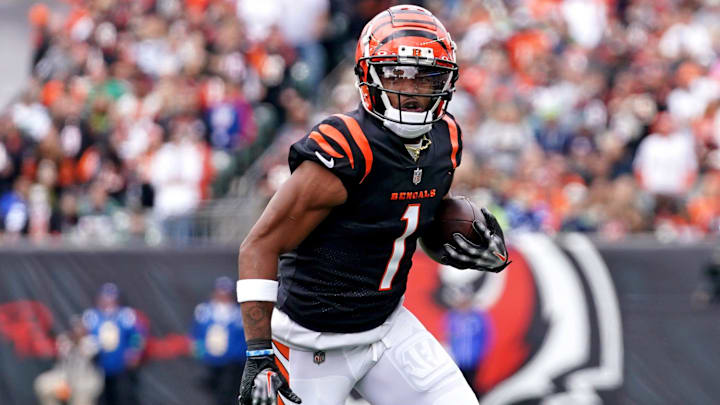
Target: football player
(340, 234)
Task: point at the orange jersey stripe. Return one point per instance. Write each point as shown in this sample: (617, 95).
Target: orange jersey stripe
(284, 350)
(315, 136)
(336, 136)
(361, 141)
(282, 369)
(453, 139)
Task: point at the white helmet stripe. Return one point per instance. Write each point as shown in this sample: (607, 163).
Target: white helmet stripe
(366, 40)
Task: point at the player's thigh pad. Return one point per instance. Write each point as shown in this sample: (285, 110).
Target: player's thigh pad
(414, 369)
(325, 380)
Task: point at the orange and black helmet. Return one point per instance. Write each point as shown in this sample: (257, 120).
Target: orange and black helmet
(407, 42)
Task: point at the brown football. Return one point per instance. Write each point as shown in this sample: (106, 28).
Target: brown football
(455, 214)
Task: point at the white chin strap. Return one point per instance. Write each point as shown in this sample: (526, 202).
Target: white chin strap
(407, 131)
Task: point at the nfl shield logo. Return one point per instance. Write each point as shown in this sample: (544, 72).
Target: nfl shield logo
(417, 176)
(319, 357)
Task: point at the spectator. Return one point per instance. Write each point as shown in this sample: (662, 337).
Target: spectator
(665, 164)
(120, 338)
(176, 174)
(552, 137)
(504, 137)
(303, 29)
(228, 117)
(686, 37)
(74, 379)
(704, 207)
(692, 94)
(96, 212)
(219, 342)
(14, 208)
(468, 333)
(39, 18)
(65, 217)
(586, 20)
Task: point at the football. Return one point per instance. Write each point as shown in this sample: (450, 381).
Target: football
(455, 214)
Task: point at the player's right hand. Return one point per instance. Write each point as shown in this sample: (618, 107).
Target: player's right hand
(261, 380)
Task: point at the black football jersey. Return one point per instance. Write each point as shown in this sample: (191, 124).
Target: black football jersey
(350, 273)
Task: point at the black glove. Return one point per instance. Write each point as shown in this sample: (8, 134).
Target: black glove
(261, 380)
(490, 255)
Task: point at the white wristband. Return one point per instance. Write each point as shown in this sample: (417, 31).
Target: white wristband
(257, 289)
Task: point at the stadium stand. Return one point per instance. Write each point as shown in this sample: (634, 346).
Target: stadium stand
(597, 116)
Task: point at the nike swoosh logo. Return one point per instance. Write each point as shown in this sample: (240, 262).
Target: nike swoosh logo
(499, 256)
(329, 163)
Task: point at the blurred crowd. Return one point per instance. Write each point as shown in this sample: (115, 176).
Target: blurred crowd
(578, 115)
(592, 116)
(137, 112)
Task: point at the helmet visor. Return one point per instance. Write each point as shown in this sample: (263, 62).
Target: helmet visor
(414, 80)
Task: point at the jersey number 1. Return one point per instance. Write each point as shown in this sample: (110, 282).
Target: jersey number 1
(411, 218)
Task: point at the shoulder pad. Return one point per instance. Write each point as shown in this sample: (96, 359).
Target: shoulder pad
(339, 144)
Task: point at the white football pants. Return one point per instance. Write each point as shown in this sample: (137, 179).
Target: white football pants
(402, 364)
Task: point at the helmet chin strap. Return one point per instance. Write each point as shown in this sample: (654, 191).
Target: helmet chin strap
(416, 126)
(407, 131)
